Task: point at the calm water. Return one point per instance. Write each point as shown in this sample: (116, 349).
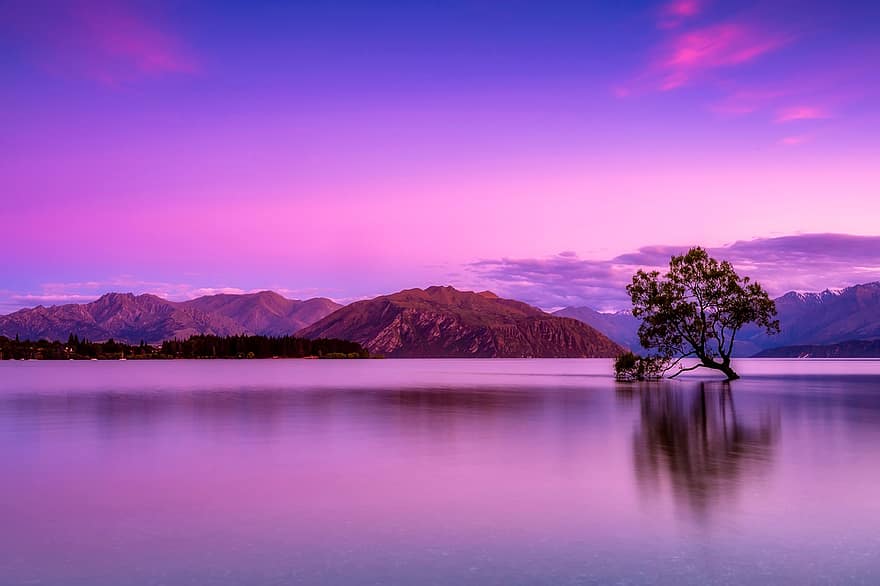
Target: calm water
(436, 472)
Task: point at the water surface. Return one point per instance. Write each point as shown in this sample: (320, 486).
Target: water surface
(436, 472)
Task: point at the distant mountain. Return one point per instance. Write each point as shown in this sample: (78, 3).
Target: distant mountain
(621, 327)
(848, 349)
(438, 321)
(121, 316)
(131, 318)
(445, 322)
(266, 313)
(822, 318)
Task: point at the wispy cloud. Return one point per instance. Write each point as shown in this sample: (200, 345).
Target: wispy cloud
(674, 13)
(795, 139)
(105, 41)
(53, 298)
(745, 101)
(809, 262)
(801, 113)
(84, 291)
(687, 55)
(690, 54)
(556, 281)
(703, 47)
(122, 39)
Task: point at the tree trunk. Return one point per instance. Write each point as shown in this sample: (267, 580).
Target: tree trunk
(723, 367)
(729, 372)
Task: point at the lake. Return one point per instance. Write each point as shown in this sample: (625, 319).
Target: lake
(452, 472)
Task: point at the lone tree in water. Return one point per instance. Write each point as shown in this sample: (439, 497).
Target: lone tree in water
(696, 310)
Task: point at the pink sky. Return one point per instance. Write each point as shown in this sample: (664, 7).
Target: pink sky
(177, 151)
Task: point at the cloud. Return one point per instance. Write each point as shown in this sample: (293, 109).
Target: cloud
(123, 37)
(700, 48)
(11, 301)
(86, 291)
(686, 56)
(105, 41)
(689, 55)
(557, 281)
(795, 140)
(808, 262)
(800, 113)
(745, 101)
(674, 13)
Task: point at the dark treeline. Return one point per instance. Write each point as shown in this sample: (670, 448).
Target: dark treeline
(261, 347)
(192, 347)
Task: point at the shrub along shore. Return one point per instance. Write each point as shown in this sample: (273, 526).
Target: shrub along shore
(194, 347)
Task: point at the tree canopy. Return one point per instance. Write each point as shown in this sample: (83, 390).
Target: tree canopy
(696, 310)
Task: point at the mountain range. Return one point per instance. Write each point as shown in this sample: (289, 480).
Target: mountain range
(442, 321)
(434, 322)
(439, 321)
(828, 317)
(133, 318)
(806, 319)
(848, 349)
(266, 313)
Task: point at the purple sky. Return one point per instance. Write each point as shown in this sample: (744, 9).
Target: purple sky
(360, 148)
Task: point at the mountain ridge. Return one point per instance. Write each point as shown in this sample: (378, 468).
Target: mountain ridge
(445, 322)
(807, 319)
(846, 349)
(266, 312)
(133, 318)
(826, 317)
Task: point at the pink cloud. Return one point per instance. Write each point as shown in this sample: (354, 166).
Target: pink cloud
(109, 42)
(690, 54)
(677, 11)
(122, 44)
(745, 102)
(800, 113)
(805, 262)
(795, 140)
(51, 298)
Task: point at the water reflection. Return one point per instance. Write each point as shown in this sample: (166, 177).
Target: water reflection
(695, 442)
(147, 410)
(434, 472)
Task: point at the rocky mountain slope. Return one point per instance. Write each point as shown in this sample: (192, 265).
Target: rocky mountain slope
(132, 318)
(445, 322)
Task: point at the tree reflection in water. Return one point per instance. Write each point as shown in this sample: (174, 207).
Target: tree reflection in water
(697, 443)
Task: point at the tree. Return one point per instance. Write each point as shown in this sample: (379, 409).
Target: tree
(696, 310)
(632, 367)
